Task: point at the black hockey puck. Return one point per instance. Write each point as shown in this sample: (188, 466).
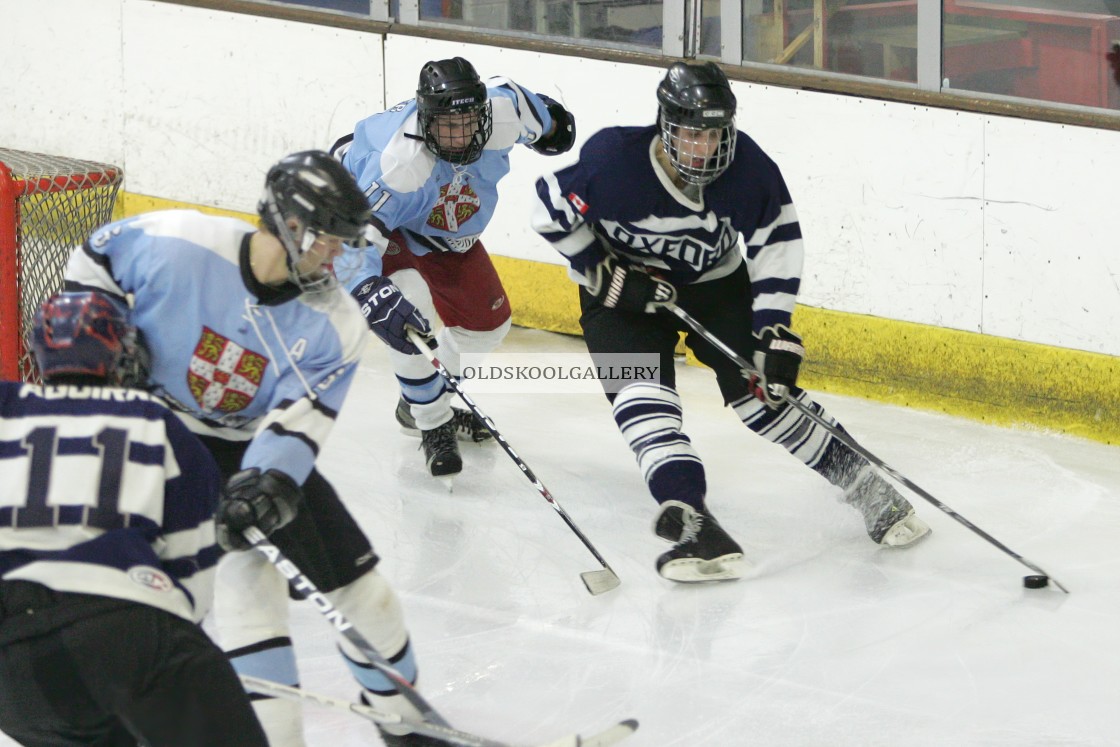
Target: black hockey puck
(1035, 582)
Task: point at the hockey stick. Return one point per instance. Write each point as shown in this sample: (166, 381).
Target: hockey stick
(305, 588)
(744, 364)
(597, 582)
(610, 736)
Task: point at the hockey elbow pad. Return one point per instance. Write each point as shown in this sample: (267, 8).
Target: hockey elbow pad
(563, 135)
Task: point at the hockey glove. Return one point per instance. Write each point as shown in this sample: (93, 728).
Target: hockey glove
(563, 135)
(267, 502)
(390, 315)
(630, 288)
(777, 359)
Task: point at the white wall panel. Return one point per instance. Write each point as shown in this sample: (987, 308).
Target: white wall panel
(215, 98)
(934, 216)
(60, 78)
(1052, 258)
(889, 197)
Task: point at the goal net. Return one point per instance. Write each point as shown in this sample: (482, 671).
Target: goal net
(48, 206)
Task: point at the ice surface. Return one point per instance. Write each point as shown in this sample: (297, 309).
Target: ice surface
(830, 641)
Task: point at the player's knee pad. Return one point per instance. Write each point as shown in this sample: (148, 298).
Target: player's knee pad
(415, 289)
(370, 603)
(250, 600)
(650, 417)
(788, 427)
(462, 340)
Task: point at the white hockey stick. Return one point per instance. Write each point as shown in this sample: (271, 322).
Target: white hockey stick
(306, 589)
(843, 436)
(610, 736)
(597, 582)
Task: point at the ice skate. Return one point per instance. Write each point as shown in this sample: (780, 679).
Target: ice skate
(889, 518)
(702, 552)
(441, 452)
(467, 426)
(403, 740)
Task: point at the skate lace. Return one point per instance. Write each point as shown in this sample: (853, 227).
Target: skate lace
(692, 522)
(439, 439)
(465, 422)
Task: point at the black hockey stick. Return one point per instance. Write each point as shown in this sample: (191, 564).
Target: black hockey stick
(597, 582)
(306, 589)
(744, 364)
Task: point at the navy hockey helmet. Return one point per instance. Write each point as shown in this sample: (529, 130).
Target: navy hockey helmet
(83, 334)
(317, 191)
(454, 112)
(696, 110)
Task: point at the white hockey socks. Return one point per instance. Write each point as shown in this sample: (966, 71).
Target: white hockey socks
(372, 606)
(251, 617)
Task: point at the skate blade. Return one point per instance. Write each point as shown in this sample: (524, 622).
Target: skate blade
(694, 570)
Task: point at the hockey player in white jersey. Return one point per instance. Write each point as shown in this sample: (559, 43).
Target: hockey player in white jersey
(255, 345)
(654, 214)
(107, 552)
(430, 167)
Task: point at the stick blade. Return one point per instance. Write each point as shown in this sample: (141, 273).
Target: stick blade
(609, 736)
(600, 582)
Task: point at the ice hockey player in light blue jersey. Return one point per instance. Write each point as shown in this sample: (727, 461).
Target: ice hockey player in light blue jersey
(107, 552)
(650, 215)
(430, 167)
(255, 345)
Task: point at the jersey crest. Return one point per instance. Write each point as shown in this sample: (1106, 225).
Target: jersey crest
(456, 205)
(223, 375)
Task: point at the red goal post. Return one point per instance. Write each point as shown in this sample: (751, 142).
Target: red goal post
(48, 206)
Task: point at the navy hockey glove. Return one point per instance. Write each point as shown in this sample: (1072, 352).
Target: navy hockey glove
(390, 315)
(777, 359)
(267, 502)
(563, 135)
(630, 288)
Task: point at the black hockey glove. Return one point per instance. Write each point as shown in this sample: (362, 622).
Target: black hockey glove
(777, 359)
(267, 501)
(563, 137)
(390, 315)
(630, 288)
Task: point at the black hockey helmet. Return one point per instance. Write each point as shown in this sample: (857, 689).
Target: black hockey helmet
(449, 99)
(697, 97)
(84, 335)
(318, 191)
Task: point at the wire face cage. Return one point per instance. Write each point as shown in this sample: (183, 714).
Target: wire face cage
(48, 206)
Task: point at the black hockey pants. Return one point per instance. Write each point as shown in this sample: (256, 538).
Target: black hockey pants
(77, 669)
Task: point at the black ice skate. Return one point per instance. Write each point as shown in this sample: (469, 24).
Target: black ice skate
(467, 426)
(703, 551)
(889, 518)
(441, 451)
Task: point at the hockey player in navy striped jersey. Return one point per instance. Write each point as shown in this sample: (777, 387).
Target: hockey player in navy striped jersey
(654, 214)
(107, 552)
(430, 167)
(255, 345)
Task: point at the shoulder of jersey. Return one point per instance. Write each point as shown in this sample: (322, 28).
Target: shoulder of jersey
(345, 317)
(404, 162)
